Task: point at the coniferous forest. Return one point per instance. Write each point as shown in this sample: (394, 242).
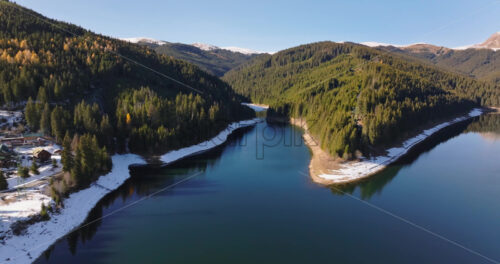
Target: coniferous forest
(355, 98)
(71, 80)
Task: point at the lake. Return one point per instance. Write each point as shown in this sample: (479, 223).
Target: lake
(251, 201)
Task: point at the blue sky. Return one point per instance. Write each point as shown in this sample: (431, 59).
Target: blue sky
(275, 25)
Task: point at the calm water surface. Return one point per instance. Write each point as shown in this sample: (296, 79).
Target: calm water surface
(252, 204)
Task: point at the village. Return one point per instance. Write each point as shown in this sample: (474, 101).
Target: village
(27, 162)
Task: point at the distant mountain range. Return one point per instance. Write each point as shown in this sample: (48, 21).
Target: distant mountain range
(213, 59)
(481, 61)
(202, 46)
(493, 43)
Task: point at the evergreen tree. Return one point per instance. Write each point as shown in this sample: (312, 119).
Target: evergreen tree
(3, 182)
(23, 172)
(46, 120)
(66, 154)
(34, 168)
(59, 122)
(32, 116)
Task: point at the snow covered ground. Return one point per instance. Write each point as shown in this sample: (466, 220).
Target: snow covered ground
(9, 117)
(45, 170)
(352, 171)
(256, 108)
(20, 206)
(145, 40)
(39, 236)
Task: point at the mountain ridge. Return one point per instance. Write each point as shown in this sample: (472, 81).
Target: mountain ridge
(212, 59)
(356, 98)
(493, 43)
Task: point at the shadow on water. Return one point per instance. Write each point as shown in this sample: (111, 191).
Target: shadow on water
(489, 123)
(144, 181)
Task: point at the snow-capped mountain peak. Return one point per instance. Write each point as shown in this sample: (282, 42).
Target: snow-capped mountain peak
(379, 44)
(204, 46)
(493, 42)
(208, 47)
(242, 50)
(145, 40)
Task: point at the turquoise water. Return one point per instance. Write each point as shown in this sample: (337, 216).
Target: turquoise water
(251, 203)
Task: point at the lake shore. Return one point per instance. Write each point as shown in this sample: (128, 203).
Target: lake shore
(27, 247)
(327, 170)
(257, 107)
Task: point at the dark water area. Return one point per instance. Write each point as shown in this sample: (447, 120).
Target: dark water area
(250, 202)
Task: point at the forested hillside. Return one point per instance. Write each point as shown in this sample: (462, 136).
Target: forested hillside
(356, 98)
(215, 61)
(73, 81)
(482, 64)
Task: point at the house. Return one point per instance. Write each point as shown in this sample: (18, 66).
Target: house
(13, 141)
(41, 154)
(5, 150)
(6, 156)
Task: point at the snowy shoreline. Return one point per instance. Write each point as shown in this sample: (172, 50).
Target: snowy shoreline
(38, 237)
(257, 107)
(356, 170)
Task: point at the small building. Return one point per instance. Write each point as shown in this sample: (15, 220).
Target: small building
(5, 150)
(13, 141)
(41, 154)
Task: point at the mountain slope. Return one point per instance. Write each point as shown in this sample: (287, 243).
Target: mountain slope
(210, 58)
(479, 61)
(354, 97)
(125, 90)
(216, 60)
(492, 42)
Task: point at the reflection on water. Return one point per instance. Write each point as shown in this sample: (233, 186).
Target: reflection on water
(143, 182)
(488, 126)
(249, 210)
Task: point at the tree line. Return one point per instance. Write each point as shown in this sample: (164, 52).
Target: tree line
(80, 85)
(355, 99)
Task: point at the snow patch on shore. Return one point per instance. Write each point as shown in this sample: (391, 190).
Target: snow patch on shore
(203, 146)
(256, 108)
(355, 170)
(38, 237)
(20, 208)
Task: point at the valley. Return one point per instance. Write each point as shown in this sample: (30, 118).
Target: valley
(119, 149)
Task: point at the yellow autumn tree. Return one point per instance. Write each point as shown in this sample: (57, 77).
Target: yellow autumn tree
(34, 58)
(23, 44)
(19, 57)
(129, 119)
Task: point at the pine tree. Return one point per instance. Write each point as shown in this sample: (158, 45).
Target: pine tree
(66, 155)
(59, 120)
(3, 181)
(34, 168)
(23, 172)
(44, 214)
(45, 120)
(32, 116)
(76, 170)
